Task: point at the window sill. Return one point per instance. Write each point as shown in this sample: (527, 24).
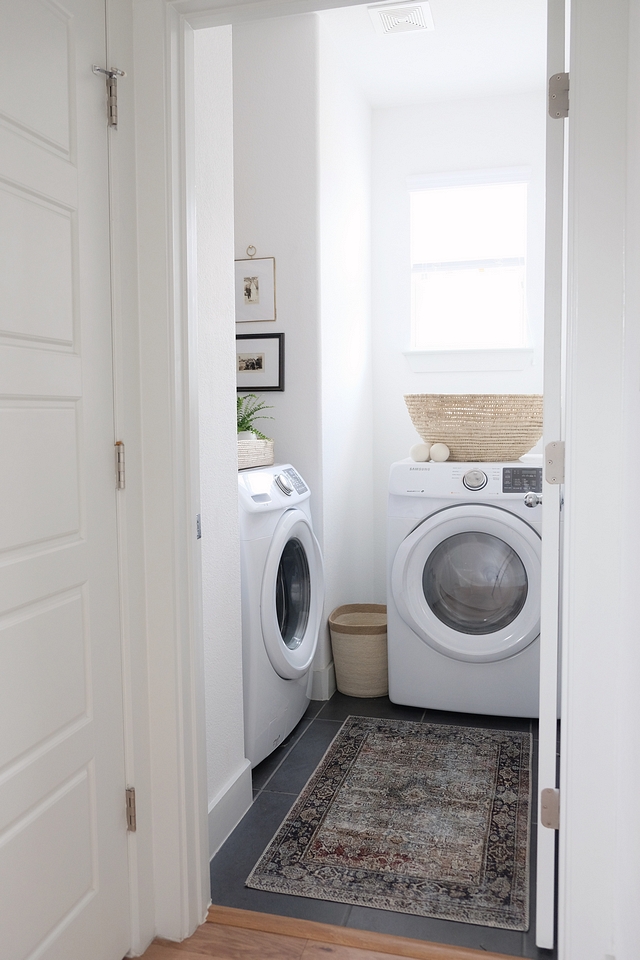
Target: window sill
(468, 361)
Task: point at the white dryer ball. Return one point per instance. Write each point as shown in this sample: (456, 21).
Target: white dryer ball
(439, 452)
(420, 452)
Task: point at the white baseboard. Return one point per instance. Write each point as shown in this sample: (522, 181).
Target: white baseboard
(228, 807)
(323, 685)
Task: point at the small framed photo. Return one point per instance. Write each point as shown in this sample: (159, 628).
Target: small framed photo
(255, 290)
(260, 361)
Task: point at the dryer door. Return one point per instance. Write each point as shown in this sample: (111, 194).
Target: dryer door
(467, 581)
(292, 596)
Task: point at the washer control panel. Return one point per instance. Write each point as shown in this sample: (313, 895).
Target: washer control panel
(262, 489)
(522, 479)
(296, 480)
(284, 483)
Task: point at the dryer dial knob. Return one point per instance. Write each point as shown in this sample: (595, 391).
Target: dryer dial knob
(282, 480)
(475, 479)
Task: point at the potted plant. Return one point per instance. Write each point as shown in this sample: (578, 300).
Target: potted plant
(250, 408)
(254, 448)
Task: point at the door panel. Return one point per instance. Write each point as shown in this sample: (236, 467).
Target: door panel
(36, 86)
(36, 290)
(63, 843)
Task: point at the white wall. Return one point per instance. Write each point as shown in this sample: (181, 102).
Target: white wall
(228, 773)
(302, 161)
(433, 138)
(345, 319)
(276, 191)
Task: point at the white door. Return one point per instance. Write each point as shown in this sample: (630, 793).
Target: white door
(63, 844)
(551, 519)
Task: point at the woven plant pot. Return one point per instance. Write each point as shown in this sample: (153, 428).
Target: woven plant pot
(359, 642)
(254, 453)
(478, 427)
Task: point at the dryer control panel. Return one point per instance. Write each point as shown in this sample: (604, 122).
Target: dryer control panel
(471, 481)
(522, 479)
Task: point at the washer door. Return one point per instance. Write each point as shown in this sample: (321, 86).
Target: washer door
(467, 581)
(292, 596)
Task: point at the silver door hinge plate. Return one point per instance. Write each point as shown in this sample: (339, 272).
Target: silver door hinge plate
(554, 462)
(120, 478)
(550, 808)
(559, 96)
(131, 809)
(112, 92)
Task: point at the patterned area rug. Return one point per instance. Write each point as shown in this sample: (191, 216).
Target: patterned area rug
(419, 818)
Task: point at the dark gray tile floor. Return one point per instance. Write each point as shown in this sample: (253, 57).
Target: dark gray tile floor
(278, 780)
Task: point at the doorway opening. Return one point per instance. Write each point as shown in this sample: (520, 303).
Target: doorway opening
(321, 164)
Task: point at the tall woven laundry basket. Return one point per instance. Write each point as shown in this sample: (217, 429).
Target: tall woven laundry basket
(359, 642)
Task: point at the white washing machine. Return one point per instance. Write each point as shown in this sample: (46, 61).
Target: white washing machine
(282, 602)
(463, 605)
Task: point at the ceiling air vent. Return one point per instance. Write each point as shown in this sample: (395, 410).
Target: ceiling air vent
(401, 17)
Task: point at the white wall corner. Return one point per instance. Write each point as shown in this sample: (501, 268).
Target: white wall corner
(323, 682)
(229, 806)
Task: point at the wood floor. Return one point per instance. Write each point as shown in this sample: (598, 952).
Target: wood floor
(231, 934)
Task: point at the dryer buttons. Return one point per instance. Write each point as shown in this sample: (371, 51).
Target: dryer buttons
(475, 479)
(285, 484)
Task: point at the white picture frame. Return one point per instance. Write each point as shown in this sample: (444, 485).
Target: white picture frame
(255, 289)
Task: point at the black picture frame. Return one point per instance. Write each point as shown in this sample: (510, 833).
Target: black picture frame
(259, 362)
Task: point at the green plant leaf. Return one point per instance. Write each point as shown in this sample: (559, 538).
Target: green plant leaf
(249, 408)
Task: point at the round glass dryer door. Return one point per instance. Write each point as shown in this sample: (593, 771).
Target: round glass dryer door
(292, 596)
(467, 581)
(293, 593)
(475, 583)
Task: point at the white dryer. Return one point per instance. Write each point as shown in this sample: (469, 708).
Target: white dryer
(282, 602)
(463, 604)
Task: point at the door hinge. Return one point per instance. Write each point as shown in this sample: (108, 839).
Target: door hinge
(550, 808)
(559, 96)
(111, 77)
(131, 809)
(554, 462)
(119, 465)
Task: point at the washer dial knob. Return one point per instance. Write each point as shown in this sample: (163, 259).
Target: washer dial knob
(475, 479)
(284, 483)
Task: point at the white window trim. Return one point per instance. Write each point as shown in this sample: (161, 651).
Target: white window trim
(469, 361)
(463, 178)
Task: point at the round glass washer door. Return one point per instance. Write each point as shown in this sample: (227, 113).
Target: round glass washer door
(467, 581)
(292, 596)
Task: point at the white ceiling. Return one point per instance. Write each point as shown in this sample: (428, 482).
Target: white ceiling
(478, 48)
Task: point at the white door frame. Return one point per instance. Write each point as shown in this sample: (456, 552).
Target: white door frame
(554, 359)
(162, 30)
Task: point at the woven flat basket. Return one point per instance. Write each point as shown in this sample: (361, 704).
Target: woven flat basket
(255, 453)
(484, 428)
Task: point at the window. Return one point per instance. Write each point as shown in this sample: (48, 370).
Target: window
(468, 248)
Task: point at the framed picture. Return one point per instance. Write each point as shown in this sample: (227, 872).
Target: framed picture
(260, 361)
(255, 290)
